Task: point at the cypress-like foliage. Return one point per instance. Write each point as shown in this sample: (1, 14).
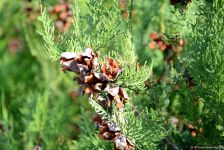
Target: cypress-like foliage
(120, 74)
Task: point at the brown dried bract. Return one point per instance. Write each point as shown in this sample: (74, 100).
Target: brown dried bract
(110, 69)
(110, 132)
(97, 80)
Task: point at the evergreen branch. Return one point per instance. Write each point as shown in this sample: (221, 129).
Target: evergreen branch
(47, 32)
(99, 109)
(131, 71)
(208, 57)
(88, 138)
(144, 130)
(134, 78)
(206, 65)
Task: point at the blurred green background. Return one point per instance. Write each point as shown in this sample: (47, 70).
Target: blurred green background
(38, 101)
(40, 104)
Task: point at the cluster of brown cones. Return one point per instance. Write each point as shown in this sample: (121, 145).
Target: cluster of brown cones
(174, 2)
(63, 14)
(169, 50)
(97, 79)
(110, 132)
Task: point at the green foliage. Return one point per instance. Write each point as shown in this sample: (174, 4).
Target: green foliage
(8, 136)
(145, 129)
(48, 35)
(99, 109)
(39, 129)
(35, 105)
(99, 28)
(101, 25)
(88, 138)
(137, 75)
(206, 65)
(132, 71)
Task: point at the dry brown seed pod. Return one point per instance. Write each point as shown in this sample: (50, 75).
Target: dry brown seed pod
(98, 86)
(112, 91)
(88, 52)
(63, 15)
(68, 55)
(101, 98)
(123, 93)
(130, 145)
(103, 128)
(118, 102)
(97, 120)
(107, 135)
(113, 127)
(88, 78)
(88, 61)
(69, 66)
(110, 70)
(120, 142)
(88, 90)
(83, 69)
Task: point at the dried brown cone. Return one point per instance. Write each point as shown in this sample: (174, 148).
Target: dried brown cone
(96, 79)
(110, 132)
(110, 69)
(63, 14)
